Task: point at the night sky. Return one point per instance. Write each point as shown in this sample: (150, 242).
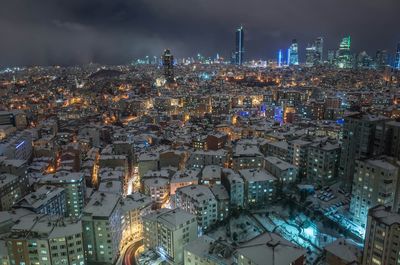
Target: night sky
(69, 32)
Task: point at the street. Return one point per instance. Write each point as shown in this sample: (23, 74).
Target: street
(129, 256)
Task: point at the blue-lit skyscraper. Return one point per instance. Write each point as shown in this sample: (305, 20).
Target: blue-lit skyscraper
(293, 53)
(239, 46)
(280, 58)
(397, 58)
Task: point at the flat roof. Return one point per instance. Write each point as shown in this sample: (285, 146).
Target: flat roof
(281, 164)
(256, 175)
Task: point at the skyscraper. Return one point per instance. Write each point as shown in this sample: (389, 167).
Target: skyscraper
(294, 53)
(319, 48)
(279, 58)
(310, 55)
(314, 52)
(397, 59)
(344, 55)
(168, 64)
(239, 46)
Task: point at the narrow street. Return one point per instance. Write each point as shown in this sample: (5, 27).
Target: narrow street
(129, 256)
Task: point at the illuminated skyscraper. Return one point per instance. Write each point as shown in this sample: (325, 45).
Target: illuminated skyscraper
(397, 59)
(314, 52)
(239, 46)
(344, 55)
(310, 55)
(293, 53)
(279, 58)
(168, 64)
(319, 48)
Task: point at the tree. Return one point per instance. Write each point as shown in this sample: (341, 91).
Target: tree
(235, 236)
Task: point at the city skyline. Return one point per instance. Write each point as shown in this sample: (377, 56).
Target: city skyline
(138, 132)
(72, 33)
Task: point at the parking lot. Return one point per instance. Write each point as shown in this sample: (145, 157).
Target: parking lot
(334, 203)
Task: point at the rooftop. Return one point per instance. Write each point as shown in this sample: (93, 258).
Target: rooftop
(252, 175)
(270, 248)
(170, 218)
(102, 204)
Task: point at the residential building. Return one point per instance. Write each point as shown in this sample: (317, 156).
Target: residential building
(39, 239)
(376, 181)
(282, 170)
(259, 187)
(323, 162)
(10, 191)
(102, 230)
(48, 200)
(75, 189)
(198, 200)
(168, 232)
(382, 240)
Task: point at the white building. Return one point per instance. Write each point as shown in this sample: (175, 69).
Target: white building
(102, 230)
(168, 232)
(17, 146)
(41, 240)
(200, 158)
(234, 184)
(134, 207)
(382, 241)
(259, 187)
(75, 189)
(376, 181)
(184, 178)
(282, 170)
(247, 156)
(198, 200)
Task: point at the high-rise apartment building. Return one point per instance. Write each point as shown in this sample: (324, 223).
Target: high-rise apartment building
(362, 136)
(382, 241)
(199, 200)
(323, 162)
(376, 181)
(44, 240)
(168, 232)
(102, 231)
(75, 189)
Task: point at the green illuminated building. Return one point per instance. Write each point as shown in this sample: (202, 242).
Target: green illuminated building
(344, 58)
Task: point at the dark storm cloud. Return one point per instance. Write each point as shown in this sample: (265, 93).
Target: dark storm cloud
(115, 31)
